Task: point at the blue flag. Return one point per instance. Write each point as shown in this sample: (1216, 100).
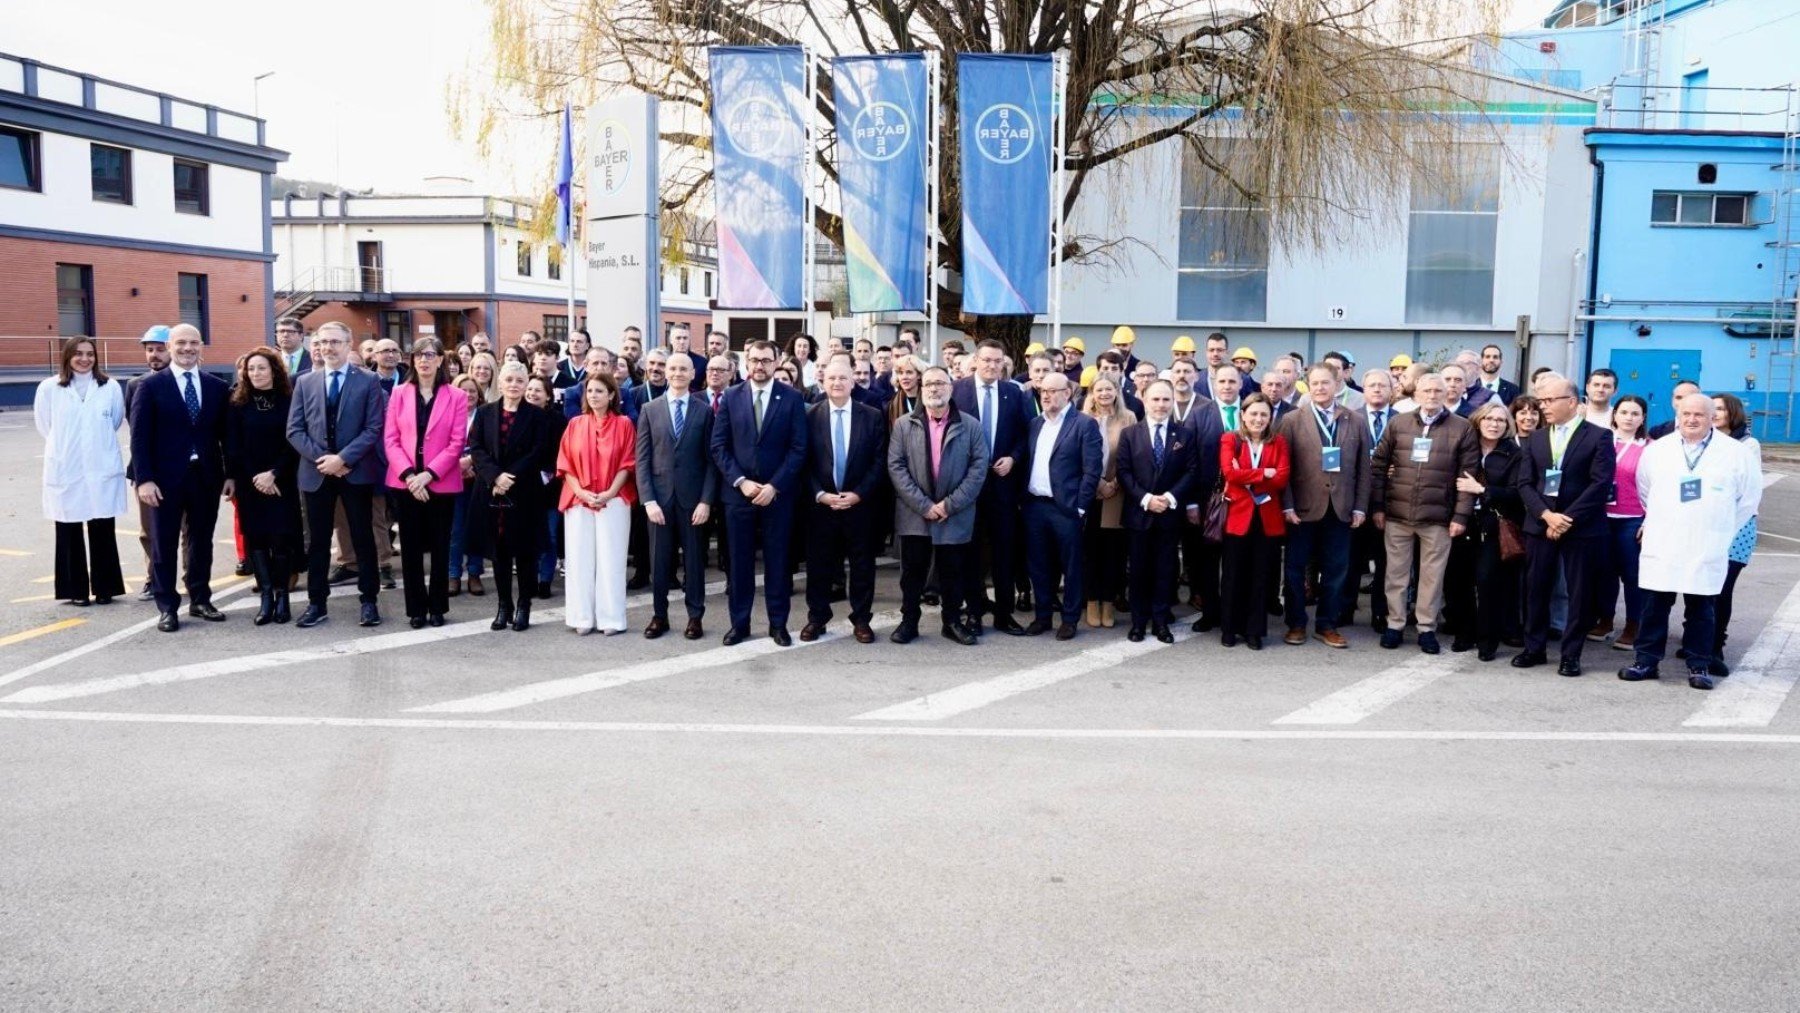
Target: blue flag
(565, 180)
(882, 125)
(1004, 109)
(760, 149)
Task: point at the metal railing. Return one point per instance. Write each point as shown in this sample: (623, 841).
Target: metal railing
(340, 279)
(1678, 107)
(43, 352)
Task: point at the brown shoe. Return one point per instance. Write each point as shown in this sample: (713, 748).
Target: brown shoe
(658, 626)
(864, 635)
(811, 632)
(694, 630)
(1627, 640)
(1331, 638)
(475, 587)
(1296, 635)
(455, 589)
(1601, 630)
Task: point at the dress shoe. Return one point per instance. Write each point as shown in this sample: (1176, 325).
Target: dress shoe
(1568, 668)
(1378, 624)
(103, 599)
(694, 630)
(204, 610)
(416, 622)
(434, 619)
(863, 634)
(1529, 659)
(1296, 635)
(1428, 642)
(1135, 635)
(1038, 628)
(146, 594)
(370, 615)
(475, 587)
(930, 598)
(1513, 640)
(387, 578)
(522, 617)
(779, 634)
(905, 633)
(735, 636)
(1254, 643)
(1601, 630)
(1639, 673)
(1390, 639)
(340, 575)
(1025, 603)
(974, 627)
(960, 634)
(1717, 668)
(311, 616)
(243, 568)
(811, 632)
(1163, 636)
(1487, 652)
(1066, 631)
(1332, 638)
(79, 603)
(637, 583)
(1228, 640)
(455, 589)
(1461, 646)
(657, 626)
(502, 616)
(1206, 623)
(1701, 680)
(1008, 625)
(1627, 638)
(168, 622)
(543, 589)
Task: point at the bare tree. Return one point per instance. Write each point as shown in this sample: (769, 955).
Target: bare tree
(1341, 101)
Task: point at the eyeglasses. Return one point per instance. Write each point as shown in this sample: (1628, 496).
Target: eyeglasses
(425, 355)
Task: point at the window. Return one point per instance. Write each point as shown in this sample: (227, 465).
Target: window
(556, 327)
(684, 281)
(19, 159)
(193, 302)
(111, 170)
(524, 260)
(74, 300)
(1223, 273)
(397, 325)
(1726, 210)
(708, 276)
(1451, 236)
(555, 269)
(190, 187)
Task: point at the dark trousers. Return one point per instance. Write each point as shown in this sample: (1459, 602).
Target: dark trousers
(1722, 608)
(1055, 536)
(425, 527)
(189, 509)
(1480, 590)
(1327, 542)
(832, 537)
(770, 527)
(1244, 576)
(321, 511)
(677, 531)
(93, 567)
(917, 557)
(1368, 553)
(996, 525)
(1618, 569)
(1697, 631)
(515, 559)
(1103, 552)
(638, 546)
(1201, 559)
(1544, 560)
(1153, 574)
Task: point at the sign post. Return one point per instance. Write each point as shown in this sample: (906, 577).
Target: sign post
(622, 244)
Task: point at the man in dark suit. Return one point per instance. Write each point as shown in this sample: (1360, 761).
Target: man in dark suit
(846, 467)
(1065, 456)
(335, 424)
(1499, 386)
(678, 486)
(177, 459)
(997, 406)
(1157, 465)
(1566, 481)
(680, 344)
(1327, 498)
(572, 369)
(290, 344)
(759, 446)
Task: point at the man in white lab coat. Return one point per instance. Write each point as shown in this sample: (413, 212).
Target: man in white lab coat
(1698, 489)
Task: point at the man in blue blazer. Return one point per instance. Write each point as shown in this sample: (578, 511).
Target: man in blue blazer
(759, 445)
(1158, 464)
(999, 409)
(178, 462)
(678, 487)
(846, 468)
(1065, 457)
(335, 424)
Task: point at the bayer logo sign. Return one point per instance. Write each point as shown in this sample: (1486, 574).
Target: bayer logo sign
(759, 128)
(1004, 133)
(881, 131)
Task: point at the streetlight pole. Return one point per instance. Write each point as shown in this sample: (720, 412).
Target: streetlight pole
(256, 92)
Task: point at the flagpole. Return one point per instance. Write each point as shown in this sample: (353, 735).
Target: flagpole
(934, 150)
(1060, 101)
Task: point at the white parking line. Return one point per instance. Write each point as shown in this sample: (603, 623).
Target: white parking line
(575, 685)
(975, 695)
(1762, 681)
(1373, 695)
(107, 641)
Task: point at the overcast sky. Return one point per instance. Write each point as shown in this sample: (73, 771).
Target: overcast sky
(358, 89)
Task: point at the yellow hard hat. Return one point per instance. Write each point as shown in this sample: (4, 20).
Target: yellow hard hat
(1123, 335)
(1244, 352)
(1401, 361)
(1076, 344)
(1034, 348)
(1087, 376)
(1182, 344)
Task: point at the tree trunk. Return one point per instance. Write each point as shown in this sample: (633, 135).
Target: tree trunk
(1012, 331)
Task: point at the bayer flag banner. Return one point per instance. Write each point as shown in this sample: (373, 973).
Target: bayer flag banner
(1004, 104)
(760, 146)
(881, 130)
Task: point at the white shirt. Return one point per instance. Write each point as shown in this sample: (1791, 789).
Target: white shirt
(1164, 426)
(1038, 484)
(1600, 417)
(181, 382)
(839, 413)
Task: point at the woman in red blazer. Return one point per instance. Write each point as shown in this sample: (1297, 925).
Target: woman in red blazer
(427, 421)
(1254, 465)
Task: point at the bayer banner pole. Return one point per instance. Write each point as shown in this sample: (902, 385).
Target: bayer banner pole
(810, 250)
(1059, 156)
(933, 234)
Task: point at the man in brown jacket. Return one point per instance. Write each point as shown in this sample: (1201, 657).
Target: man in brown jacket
(1414, 499)
(1326, 498)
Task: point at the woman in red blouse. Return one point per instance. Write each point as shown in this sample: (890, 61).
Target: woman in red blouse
(1254, 464)
(595, 463)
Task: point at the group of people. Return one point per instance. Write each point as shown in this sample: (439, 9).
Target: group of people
(1066, 492)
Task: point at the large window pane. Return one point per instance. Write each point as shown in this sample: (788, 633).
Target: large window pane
(1450, 269)
(190, 187)
(1222, 295)
(111, 173)
(193, 302)
(18, 159)
(1696, 209)
(1663, 207)
(74, 300)
(1223, 258)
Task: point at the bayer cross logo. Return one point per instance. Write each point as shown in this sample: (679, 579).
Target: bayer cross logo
(881, 131)
(612, 159)
(1003, 133)
(759, 128)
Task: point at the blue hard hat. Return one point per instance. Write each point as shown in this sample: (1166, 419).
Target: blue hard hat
(157, 335)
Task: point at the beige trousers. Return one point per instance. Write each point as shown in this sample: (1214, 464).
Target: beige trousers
(1433, 541)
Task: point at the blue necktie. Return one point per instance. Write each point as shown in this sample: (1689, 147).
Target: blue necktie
(1156, 446)
(680, 417)
(840, 442)
(192, 397)
(1380, 424)
(331, 394)
(987, 414)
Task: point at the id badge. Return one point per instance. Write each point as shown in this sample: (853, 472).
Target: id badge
(1332, 458)
(1421, 449)
(1553, 482)
(1690, 490)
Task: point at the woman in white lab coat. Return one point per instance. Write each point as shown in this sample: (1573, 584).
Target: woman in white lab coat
(79, 412)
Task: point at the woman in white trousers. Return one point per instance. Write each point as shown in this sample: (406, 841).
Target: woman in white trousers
(595, 462)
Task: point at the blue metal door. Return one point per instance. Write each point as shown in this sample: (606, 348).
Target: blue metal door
(1651, 373)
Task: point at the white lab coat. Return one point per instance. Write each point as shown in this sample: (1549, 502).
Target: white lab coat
(84, 471)
(1686, 545)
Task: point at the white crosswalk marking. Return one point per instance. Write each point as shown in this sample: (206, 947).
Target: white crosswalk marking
(1762, 681)
(1372, 695)
(974, 695)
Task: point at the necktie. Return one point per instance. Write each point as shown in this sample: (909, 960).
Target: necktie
(192, 397)
(713, 399)
(680, 417)
(987, 414)
(840, 443)
(1380, 424)
(759, 412)
(1231, 416)
(1156, 445)
(337, 385)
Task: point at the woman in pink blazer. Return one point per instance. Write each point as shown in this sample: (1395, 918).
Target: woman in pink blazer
(427, 419)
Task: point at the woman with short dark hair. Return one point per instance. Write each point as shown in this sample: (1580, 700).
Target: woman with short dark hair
(79, 411)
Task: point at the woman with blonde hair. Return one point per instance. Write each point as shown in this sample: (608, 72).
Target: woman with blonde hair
(1103, 533)
(486, 372)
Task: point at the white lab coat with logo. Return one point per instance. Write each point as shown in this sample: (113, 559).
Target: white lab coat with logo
(84, 470)
(1686, 545)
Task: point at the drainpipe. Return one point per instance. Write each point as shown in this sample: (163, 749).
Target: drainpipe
(1575, 315)
(1593, 255)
